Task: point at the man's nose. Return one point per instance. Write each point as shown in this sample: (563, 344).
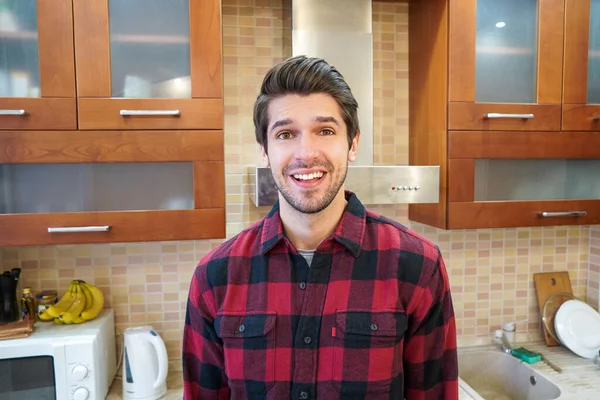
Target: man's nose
(309, 148)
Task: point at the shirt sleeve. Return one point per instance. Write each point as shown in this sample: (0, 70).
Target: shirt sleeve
(203, 363)
(430, 356)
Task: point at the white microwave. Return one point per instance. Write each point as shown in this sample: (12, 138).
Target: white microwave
(60, 362)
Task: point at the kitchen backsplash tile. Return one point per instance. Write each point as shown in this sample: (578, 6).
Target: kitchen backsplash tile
(490, 270)
(593, 284)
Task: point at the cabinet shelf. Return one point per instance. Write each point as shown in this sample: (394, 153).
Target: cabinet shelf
(151, 39)
(18, 35)
(504, 50)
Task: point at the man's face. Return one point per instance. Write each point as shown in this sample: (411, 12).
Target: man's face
(308, 150)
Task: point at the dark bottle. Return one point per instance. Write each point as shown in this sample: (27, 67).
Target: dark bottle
(9, 303)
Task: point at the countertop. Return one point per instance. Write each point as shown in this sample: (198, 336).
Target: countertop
(174, 387)
(579, 379)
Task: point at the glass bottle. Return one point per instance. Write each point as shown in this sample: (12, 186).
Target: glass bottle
(28, 305)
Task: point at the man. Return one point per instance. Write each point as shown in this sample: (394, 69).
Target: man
(321, 299)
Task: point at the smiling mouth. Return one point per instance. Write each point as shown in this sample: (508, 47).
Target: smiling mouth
(313, 177)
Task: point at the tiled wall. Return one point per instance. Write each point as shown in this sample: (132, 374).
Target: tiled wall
(491, 270)
(593, 286)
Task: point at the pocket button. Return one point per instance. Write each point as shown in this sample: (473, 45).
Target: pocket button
(374, 327)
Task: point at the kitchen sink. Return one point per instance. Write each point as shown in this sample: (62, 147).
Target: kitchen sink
(493, 375)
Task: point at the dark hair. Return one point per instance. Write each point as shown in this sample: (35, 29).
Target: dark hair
(304, 76)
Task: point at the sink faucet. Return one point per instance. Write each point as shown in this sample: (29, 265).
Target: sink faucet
(506, 345)
(502, 335)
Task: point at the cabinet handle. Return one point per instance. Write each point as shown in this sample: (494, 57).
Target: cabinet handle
(127, 113)
(515, 116)
(13, 112)
(71, 229)
(563, 214)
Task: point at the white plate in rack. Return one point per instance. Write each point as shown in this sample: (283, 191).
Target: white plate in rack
(578, 328)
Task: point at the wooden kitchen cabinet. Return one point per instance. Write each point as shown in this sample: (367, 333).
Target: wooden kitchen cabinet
(143, 156)
(522, 179)
(37, 70)
(504, 64)
(468, 58)
(581, 109)
(148, 64)
(111, 186)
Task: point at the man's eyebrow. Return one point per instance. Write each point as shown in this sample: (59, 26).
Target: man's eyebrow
(319, 119)
(327, 120)
(281, 122)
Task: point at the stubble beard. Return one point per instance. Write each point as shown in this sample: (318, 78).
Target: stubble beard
(310, 203)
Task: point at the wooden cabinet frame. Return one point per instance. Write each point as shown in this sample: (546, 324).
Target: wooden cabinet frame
(467, 146)
(464, 113)
(447, 128)
(77, 121)
(92, 52)
(56, 108)
(577, 114)
(203, 148)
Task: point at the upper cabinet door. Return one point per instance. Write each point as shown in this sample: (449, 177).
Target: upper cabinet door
(505, 64)
(581, 110)
(37, 69)
(141, 64)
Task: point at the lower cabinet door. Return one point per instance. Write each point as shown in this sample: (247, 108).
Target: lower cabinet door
(505, 192)
(109, 202)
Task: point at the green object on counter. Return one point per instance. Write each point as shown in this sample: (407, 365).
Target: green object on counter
(526, 355)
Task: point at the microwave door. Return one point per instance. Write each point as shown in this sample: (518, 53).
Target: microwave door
(33, 372)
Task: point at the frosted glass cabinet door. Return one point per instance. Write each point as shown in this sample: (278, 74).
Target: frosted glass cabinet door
(150, 48)
(19, 59)
(536, 179)
(149, 64)
(505, 61)
(58, 188)
(593, 81)
(37, 71)
(506, 51)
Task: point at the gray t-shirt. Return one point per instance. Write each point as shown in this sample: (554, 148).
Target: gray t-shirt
(308, 255)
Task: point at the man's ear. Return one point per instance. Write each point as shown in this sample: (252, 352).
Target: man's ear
(353, 148)
(265, 156)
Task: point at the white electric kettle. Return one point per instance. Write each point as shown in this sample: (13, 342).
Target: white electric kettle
(145, 364)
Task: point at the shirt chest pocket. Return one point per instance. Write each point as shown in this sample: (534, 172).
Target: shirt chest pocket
(367, 352)
(249, 350)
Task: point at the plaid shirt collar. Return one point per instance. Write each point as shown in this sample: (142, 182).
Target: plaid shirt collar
(349, 232)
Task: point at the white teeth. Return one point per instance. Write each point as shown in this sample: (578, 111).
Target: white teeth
(306, 177)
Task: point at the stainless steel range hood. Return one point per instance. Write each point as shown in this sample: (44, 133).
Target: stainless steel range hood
(340, 31)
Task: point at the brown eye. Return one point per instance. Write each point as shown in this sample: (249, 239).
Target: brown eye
(284, 135)
(327, 132)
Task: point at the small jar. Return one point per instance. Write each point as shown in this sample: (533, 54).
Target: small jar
(45, 299)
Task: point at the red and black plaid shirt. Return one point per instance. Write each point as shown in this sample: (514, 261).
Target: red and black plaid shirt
(371, 318)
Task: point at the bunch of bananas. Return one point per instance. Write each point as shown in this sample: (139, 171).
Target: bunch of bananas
(82, 302)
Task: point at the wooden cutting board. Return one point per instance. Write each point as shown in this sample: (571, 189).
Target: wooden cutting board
(547, 284)
(15, 330)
